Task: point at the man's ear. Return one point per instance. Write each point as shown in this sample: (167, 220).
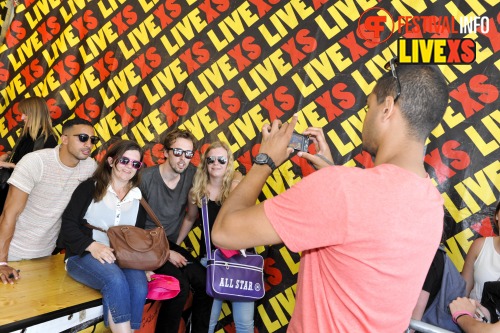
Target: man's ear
(389, 107)
(64, 139)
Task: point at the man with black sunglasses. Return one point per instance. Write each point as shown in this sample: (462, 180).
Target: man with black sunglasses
(367, 236)
(166, 188)
(40, 188)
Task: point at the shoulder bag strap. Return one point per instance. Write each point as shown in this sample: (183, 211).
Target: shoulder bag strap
(11, 157)
(148, 209)
(206, 227)
(39, 142)
(90, 226)
(150, 212)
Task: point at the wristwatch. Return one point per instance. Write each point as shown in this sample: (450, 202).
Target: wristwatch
(262, 158)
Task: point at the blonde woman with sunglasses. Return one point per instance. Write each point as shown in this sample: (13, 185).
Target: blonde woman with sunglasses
(214, 179)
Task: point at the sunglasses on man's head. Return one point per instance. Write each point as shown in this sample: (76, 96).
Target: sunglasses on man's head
(220, 159)
(85, 137)
(135, 164)
(178, 152)
(392, 64)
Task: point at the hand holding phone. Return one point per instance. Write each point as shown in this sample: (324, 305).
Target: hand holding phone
(299, 142)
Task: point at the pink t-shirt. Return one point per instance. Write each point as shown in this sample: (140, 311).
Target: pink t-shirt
(367, 238)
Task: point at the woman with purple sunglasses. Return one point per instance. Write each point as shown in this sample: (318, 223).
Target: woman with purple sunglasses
(110, 197)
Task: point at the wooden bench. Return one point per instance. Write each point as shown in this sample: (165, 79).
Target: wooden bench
(46, 299)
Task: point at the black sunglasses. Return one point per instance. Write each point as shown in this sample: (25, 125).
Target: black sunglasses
(392, 64)
(220, 159)
(125, 161)
(178, 152)
(85, 137)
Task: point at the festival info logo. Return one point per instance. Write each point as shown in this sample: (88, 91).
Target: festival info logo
(376, 25)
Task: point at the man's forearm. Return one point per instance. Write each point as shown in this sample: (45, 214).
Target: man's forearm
(6, 234)
(246, 193)
(471, 325)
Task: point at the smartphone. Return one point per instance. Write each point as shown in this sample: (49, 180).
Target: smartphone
(299, 142)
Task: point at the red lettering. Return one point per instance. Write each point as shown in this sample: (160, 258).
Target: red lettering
(134, 107)
(84, 23)
(4, 73)
(154, 155)
(54, 109)
(262, 6)
(121, 110)
(210, 13)
(484, 228)
(15, 33)
(356, 50)
(460, 160)
(203, 56)
(273, 274)
(364, 159)
(233, 103)
(488, 92)
(172, 115)
(61, 70)
(453, 47)
(287, 104)
(140, 62)
(126, 14)
(89, 109)
(468, 53)
(253, 52)
(494, 35)
(332, 111)
(469, 105)
(106, 64)
(318, 3)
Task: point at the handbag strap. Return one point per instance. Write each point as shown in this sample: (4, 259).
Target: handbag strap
(148, 209)
(206, 227)
(151, 213)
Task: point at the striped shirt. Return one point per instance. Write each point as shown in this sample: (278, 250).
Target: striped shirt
(49, 184)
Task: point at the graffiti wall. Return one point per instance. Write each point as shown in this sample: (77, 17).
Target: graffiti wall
(224, 68)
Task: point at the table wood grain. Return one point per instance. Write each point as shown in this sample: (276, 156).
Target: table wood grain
(44, 287)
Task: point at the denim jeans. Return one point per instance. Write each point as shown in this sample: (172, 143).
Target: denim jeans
(242, 316)
(123, 290)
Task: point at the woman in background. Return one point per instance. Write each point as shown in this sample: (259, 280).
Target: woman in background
(214, 179)
(482, 263)
(111, 197)
(36, 134)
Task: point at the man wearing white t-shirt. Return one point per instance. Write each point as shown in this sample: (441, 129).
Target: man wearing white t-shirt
(40, 188)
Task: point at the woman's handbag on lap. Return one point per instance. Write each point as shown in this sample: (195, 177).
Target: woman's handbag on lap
(138, 248)
(238, 278)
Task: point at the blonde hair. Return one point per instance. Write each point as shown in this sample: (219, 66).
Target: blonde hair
(35, 108)
(200, 181)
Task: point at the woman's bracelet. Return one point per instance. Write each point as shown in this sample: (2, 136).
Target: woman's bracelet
(459, 314)
(4, 263)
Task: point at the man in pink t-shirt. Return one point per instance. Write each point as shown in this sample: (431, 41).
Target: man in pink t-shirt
(367, 236)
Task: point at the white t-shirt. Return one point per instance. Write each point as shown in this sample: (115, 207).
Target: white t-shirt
(110, 211)
(486, 268)
(50, 185)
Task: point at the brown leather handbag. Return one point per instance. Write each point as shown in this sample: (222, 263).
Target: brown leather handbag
(138, 248)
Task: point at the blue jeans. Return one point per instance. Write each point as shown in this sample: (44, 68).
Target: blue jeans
(242, 316)
(123, 290)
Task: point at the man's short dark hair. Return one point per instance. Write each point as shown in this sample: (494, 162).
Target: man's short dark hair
(174, 134)
(75, 121)
(423, 99)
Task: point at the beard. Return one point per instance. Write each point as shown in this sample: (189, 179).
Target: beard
(176, 168)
